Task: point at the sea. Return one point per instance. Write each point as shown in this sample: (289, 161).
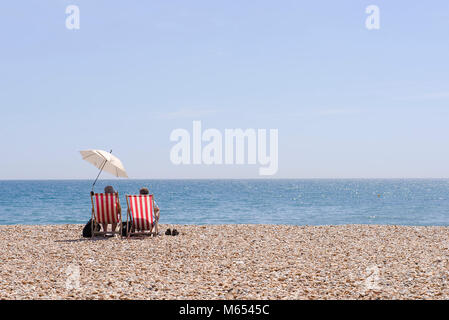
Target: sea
(419, 202)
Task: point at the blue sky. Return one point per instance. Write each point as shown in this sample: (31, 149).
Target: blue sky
(348, 102)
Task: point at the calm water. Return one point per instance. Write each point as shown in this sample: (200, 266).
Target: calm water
(297, 202)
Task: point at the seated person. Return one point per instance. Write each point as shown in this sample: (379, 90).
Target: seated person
(144, 191)
(110, 189)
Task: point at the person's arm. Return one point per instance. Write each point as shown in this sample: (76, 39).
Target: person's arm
(119, 208)
(156, 210)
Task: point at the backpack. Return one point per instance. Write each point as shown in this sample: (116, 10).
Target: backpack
(87, 230)
(124, 230)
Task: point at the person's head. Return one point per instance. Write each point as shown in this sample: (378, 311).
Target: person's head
(144, 191)
(109, 189)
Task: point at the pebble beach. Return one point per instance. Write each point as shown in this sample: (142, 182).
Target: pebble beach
(227, 262)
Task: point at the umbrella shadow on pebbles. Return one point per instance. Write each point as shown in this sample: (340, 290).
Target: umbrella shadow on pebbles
(83, 239)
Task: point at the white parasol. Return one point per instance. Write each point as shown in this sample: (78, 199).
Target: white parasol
(104, 161)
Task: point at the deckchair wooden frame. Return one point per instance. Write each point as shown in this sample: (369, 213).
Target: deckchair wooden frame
(129, 219)
(94, 220)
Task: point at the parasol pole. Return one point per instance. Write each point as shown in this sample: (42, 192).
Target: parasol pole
(104, 163)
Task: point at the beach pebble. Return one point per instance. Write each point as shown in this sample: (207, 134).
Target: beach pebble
(227, 261)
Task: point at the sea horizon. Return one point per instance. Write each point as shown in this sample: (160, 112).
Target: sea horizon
(252, 178)
(391, 201)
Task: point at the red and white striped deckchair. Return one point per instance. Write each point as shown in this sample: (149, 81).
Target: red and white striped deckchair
(106, 209)
(141, 215)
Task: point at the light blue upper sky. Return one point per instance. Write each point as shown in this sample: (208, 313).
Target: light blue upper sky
(347, 101)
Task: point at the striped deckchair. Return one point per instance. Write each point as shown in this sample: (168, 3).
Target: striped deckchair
(106, 209)
(140, 218)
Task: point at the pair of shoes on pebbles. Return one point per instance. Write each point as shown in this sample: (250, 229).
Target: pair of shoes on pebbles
(171, 233)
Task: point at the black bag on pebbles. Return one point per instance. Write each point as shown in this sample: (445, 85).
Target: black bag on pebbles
(87, 230)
